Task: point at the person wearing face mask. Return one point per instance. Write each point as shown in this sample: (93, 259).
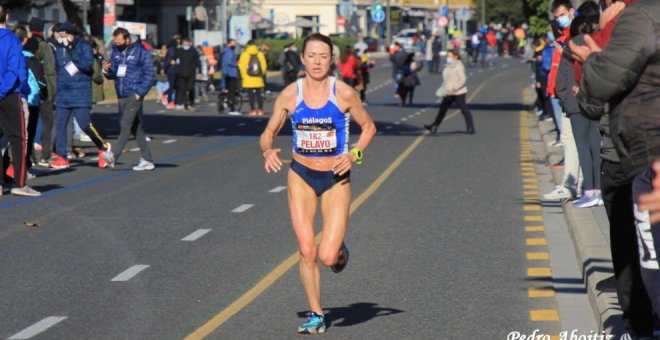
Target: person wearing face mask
(130, 65)
(75, 60)
(187, 60)
(454, 84)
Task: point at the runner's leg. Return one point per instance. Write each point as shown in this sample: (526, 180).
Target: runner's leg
(302, 206)
(335, 205)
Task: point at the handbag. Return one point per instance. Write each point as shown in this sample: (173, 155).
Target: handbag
(440, 92)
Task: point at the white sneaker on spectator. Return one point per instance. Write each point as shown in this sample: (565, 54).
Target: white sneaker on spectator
(144, 165)
(25, 191)
(587, 201)
(234, 113)
(559, 193)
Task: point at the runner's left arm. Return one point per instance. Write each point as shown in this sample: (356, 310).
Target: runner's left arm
(354, 105)
(275, 124)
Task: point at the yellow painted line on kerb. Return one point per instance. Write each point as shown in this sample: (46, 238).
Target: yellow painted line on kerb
(534, 228)
(544, 315)
(216, 321)
(533, 218)
(541, 292)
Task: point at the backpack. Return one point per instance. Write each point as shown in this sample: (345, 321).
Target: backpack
(254, 66)
(37, 70)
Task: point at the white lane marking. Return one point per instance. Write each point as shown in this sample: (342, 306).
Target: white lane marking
(161, 111)
(169, 141)
(38, 327)
(388, 127)
(397, 123)
(196, 235)
(242, 208)
(221, 129)
(404, 119)
(130, 272)
(257, 120)
(413, 115)
(418, 113)
(198, 135)
(134, 150)
(277, 189)
(240, 124)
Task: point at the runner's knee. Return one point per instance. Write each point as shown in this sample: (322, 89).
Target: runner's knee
(308, 254)
(328, 258)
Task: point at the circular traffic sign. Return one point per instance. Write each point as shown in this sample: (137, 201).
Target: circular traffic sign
(443, 22)
(378, 16)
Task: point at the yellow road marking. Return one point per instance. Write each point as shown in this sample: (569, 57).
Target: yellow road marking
(526, 164)
(530, 180)
(534, 228)
(531, 208)
(536, 242)
(533, 218)
(539, 272)
(544, 315)
(270, 278)
(530, 186)
(531, 193)
(529, 174)
(541, 292)
(527, 168)
(538, 256)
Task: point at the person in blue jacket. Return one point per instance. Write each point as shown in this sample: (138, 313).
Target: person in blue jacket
(13, 74)
(131, 67)
(74, 61)
(230, 75)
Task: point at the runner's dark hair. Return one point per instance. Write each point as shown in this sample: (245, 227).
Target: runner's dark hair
(317, 37)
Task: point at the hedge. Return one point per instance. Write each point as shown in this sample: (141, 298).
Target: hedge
(277, 45)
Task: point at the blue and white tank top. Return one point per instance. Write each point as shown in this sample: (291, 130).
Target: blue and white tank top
(320, 132)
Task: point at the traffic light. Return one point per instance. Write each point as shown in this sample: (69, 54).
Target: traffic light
(378, 7)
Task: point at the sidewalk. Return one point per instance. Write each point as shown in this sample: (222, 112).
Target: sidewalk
(589, 230)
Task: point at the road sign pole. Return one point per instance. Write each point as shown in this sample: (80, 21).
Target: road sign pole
(388, 23)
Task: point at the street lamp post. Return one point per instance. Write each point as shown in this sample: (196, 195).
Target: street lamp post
(483, 12)
(388, 24)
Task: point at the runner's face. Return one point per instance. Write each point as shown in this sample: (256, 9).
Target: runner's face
(317, 59)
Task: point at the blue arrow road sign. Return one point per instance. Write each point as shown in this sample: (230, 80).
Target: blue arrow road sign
(378, 16)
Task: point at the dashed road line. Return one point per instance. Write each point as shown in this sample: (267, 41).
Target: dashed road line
(196, 235)
(130, 273)
(134, 150)
(544, 315)
(38, 328)
(242, 208)
(540, 292)
(221, 129)
(240, 124)
(169, 141)
(198, 135)
(277, 189)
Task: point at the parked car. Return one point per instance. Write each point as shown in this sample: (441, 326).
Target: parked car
(405, 39)
(372, 44)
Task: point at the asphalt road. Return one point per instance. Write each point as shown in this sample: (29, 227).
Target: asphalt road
(437, 239)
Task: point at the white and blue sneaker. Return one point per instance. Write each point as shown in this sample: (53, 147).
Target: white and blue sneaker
(315, 324)
(588, 201)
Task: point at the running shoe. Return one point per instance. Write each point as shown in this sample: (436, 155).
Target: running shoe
(103, 158)
(59, 163)
(25, 191)
(587, 201)
(84, 138)
(171, 106)
(343, 259)
(260, 112)
(144, 165)
(559, 193)
(315, 324)
(44, 162)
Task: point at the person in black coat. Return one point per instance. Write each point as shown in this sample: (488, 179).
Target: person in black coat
(292, 65)
(187, 60)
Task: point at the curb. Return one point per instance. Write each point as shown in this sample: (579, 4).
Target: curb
(591, 247)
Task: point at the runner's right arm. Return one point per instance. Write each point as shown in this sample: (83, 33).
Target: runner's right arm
(275, 124)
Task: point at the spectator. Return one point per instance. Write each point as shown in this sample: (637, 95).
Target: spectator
(202, 78)
(360, 45)
(75, 61)
(32, 92)
(45, 54)
(606, 83)
(367, 65)
(436, 49)
(131, 64)
(292, 68)
(98, 94)
(171, 68)
(349, 67)
(409, 79)
(187, 60)
(13, 72)
(252, 65)
(230, 76)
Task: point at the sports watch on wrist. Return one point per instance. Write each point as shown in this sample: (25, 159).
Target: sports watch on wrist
(358, 155)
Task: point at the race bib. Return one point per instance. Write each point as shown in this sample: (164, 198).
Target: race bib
(71, 69)
(316, 138)
(121, 71)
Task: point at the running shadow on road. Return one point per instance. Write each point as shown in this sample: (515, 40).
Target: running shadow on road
(354, 314)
